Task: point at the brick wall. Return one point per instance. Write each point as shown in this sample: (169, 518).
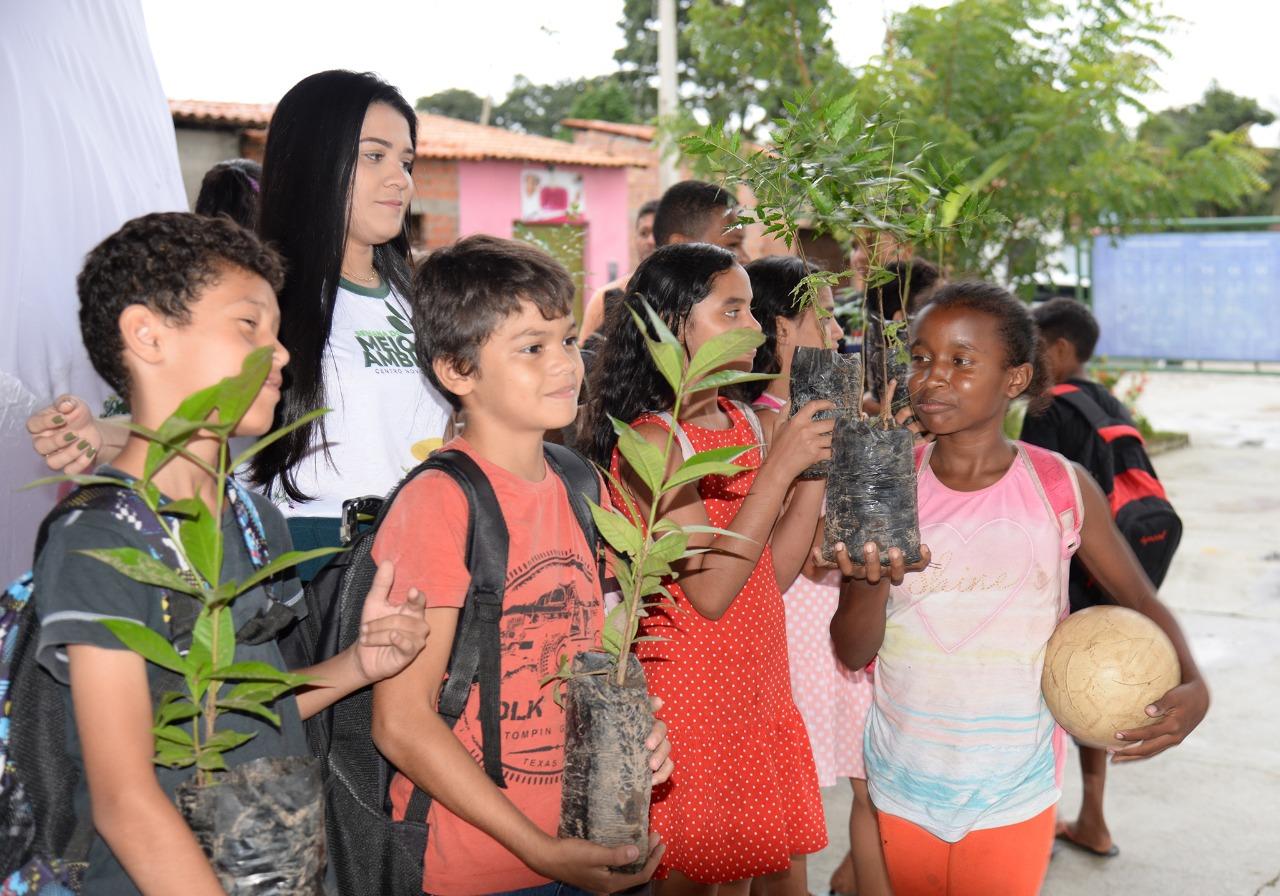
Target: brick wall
(435, 203)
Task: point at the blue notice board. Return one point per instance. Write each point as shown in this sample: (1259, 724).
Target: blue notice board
(1202, 296)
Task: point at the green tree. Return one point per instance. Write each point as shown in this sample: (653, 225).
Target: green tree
(1030, 95)
(456, 102)
(539, 108)
(607, 101)
(1184, 128)
(737, 60)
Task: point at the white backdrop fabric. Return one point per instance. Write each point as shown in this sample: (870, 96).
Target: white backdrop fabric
(86, 142)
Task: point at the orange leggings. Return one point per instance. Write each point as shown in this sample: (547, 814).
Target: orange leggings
(1009, 861)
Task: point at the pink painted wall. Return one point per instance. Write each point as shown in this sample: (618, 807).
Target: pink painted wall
(489, 202)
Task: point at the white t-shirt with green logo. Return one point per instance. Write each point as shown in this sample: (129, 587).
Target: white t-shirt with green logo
(385, 417)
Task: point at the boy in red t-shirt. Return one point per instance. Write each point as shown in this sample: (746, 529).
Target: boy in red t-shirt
(495, 333)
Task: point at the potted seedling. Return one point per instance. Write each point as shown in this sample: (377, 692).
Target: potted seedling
(607, 779)
(835, 171)
(261, 823)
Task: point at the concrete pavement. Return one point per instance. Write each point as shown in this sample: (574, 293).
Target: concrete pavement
(1203, 818)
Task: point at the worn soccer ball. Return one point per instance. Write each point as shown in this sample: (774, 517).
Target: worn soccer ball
(1102, 668)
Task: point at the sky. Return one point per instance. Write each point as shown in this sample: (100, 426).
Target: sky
(254, 50)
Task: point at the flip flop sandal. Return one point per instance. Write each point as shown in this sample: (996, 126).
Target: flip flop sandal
(1066, 838)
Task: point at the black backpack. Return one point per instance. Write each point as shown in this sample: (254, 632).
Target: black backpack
(370, 854)
(43, 843)
(1139, 505)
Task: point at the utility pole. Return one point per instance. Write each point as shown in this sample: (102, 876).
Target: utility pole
(667, 174)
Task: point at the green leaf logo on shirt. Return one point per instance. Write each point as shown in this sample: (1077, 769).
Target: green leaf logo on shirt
(397, 319)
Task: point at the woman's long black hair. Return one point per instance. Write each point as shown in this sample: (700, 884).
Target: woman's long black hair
(307, 173)
(774, 280)
(627, 384)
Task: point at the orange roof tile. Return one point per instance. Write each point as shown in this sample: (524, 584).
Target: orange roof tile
(438, 137)
(248, 115)
(449, 138)
(643, 132)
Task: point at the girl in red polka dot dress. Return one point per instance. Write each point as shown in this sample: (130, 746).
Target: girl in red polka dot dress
(743, 801)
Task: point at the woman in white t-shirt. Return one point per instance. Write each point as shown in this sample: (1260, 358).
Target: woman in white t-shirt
(337, 182)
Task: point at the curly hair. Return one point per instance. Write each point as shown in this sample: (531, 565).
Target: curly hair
(163, 261)
(1014, 326)
(627, 384)
(461, 293)
(774, 280)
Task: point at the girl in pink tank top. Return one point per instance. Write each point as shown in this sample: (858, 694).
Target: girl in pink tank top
(744, 800)
(959, 749)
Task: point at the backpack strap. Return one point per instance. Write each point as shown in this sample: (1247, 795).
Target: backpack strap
(922, 453)
(1104, 424)
(1059, 489)
(477, 647)
(581, 481)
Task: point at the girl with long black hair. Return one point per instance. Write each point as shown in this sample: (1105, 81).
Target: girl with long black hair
(337, 182)
(743, 801)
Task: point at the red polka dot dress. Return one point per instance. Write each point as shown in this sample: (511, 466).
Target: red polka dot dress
(744, 795)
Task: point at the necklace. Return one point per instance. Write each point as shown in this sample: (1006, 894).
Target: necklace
(372, 278)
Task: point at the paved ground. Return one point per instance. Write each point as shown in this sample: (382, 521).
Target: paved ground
(1203, 818)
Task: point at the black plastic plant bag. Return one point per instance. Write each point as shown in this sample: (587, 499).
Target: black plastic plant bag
(261, 825)
(607, 779)
(818, 373)
(871, 492)
(882, 358)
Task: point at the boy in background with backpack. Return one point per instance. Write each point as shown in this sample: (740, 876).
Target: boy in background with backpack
(1088, 425)
(170, 304)
(495, 333)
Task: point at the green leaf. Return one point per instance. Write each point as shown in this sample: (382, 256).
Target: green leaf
(175, 707)
(226, 740)
(249, 707)
(148, 643)
(665, 336)
(713, 530)
(280, 564)
(622, 536)
(632, 512)
(253, 670)
(78, 479)
(201, 539)
(655, 568)
(173, 734)
(204, 654)
(173, 756)
(722, 378)
(691, 472)
(668, 548)
(611, 635)
(210, 761)
(718, 351)
(236, 394)
(645, 459)
(142, 567)
(276, 435)
(622, 572)
(669, 359)
(259, 691)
